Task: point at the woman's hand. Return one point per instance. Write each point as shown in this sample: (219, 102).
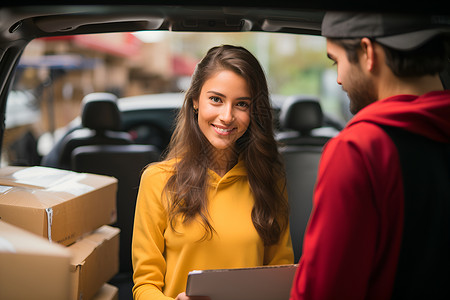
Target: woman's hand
(183, 296)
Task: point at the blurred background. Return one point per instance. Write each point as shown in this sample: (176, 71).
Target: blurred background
(54, 74)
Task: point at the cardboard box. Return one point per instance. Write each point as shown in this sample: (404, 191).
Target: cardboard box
(57, 204)
(259, 283)
(31, 267)
(107, 292)
(95, 260)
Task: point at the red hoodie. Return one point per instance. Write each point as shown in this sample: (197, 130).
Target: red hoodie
(353, 242)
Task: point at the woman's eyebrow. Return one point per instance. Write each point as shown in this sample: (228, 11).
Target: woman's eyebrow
(216, 93)
(245, 98)
(223, 96)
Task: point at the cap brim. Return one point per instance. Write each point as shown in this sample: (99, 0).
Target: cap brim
(411, 40)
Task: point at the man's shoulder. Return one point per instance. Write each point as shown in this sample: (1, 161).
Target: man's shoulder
(359, 132)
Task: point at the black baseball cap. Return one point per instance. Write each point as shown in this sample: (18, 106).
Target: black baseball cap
(397, 31)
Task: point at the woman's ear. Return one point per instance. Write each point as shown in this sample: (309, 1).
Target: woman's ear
(195, 106)
(368, 59)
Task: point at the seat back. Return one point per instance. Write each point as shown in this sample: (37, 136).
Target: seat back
(301, 165)
(301, 151)
(124, 162)
(101, 125)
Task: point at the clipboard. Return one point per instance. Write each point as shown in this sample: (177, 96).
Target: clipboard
(258, 283)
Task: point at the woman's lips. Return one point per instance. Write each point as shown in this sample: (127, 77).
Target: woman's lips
(222, 130)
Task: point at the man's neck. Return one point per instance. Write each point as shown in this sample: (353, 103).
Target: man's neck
(409, 86)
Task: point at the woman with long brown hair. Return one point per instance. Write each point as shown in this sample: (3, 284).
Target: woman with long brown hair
(218, 200)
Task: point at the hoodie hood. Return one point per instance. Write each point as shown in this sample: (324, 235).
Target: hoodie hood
(427, 115)
(236, 173)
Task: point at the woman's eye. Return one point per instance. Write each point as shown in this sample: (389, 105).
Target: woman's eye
(243, 104)
(214, 99)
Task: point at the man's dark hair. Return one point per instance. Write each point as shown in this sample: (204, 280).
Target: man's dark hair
(428, 59)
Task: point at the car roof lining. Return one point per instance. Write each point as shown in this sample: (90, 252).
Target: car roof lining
(282, 16)
(34, 22)
(70, 23)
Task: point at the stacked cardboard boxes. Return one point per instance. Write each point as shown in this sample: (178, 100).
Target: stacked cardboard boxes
(95, 259)
(31, 267)
(68, 210)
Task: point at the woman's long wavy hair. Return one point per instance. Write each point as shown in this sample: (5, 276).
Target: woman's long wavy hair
(186, 190)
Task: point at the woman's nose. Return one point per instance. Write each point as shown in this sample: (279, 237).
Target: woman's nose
(226, 115)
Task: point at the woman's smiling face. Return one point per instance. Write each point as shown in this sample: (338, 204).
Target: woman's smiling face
(224, 109)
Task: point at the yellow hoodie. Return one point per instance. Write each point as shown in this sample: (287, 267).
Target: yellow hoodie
(162, 257)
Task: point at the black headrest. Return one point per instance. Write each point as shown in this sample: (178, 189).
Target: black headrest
(301, 113)
(100, 112)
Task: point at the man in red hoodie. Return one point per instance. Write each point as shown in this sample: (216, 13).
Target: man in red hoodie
(380, 225)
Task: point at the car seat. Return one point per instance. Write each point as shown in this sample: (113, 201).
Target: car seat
(124, 162)
(100, 125)
(301, 151)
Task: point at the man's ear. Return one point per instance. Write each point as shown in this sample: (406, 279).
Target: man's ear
(368, 58)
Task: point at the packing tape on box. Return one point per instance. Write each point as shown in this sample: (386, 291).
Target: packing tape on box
(49, 212)
(4, 188)
(72, 186)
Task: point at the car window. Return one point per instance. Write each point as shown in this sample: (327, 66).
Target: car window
(148, 71)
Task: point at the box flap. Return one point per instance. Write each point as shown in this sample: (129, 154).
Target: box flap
(17, 240)
(28, 197)
(85, 246)
(95, 261)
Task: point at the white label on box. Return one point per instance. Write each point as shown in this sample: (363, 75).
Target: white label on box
(42, 176)
(72, 186)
